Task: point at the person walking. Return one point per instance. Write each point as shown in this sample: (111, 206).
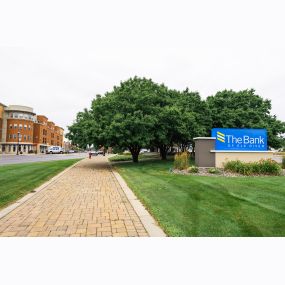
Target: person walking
(90, 154)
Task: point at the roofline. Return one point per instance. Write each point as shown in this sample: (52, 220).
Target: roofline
(43, 116)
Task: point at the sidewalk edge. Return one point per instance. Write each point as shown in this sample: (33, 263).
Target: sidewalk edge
(4, 212)
(150, 224)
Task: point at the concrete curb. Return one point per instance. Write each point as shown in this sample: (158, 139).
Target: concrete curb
(147, 220)
(27, 197)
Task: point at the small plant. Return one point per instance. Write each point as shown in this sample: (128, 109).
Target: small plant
(214, 171)
(193, 169)
(283, 162)
(264, 166)
(181, 161)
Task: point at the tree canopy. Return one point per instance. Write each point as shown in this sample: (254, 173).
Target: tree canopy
(245, 109)
(141, 113)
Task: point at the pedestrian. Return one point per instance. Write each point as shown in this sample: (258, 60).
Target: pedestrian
(90, 154)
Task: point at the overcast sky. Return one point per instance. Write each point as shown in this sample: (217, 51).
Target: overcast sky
(55, 56)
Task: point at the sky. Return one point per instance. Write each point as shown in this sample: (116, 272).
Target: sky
(55, 56)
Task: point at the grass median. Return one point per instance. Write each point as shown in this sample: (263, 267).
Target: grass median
(17, 180)
(208, 206)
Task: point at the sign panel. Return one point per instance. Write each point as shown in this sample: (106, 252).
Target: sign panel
(240, 139)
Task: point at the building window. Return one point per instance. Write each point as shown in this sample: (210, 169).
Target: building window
(25, 127)
(29, 137)
(15, 126)
(25, 137)
(29, 127)
(20, 126)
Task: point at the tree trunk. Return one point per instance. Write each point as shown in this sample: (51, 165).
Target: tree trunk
(163, 151)
(193, 151)
(135, 151)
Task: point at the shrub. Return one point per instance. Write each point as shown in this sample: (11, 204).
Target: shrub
(181, 161)
(193, 169)
(123, 157)
(264, 166)
(283, 162)
(214, 171)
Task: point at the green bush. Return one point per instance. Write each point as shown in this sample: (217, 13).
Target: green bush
(283, 162)
(181, 161)
(264, 166)
(193, 169)
(214, 171)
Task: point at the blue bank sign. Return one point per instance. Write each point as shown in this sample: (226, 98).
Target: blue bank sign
(240, 139)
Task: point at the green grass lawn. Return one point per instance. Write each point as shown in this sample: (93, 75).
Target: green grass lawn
(19, 179)
(208, 206)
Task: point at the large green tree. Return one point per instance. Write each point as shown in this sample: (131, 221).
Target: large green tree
(245, 109)
(195, 119)
(126, 115)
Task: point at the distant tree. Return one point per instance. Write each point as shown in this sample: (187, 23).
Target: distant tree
(80, 132)
(245, 109)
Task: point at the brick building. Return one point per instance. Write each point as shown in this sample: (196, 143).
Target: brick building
(21, 129)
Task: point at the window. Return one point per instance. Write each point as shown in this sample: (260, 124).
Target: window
(14, 136)
(25, 137)
(25, 127)
(20, 126)
(15, 126)
(29, 138)
(11, 126)
(16, 115)
(10, 136)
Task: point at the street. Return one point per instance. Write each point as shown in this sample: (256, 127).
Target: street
(13, 159)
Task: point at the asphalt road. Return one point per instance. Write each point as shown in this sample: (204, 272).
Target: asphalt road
(14, 159)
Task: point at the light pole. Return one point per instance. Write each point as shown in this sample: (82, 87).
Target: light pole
(18, 143)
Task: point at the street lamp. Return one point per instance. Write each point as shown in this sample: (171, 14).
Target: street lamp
(18, 143)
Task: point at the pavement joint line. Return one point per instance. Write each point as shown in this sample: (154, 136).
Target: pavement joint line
(4, 212)
(147, 220)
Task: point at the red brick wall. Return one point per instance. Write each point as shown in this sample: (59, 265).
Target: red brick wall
(24, 132)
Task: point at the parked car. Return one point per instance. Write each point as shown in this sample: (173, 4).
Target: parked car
(54, 150)
(144, 150)
(71, 151)
(97, 152)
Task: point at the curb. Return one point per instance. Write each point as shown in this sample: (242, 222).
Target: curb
(147, 220)
(27, 197)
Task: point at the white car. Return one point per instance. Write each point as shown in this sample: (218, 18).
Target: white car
(144, 150)
(55, 149)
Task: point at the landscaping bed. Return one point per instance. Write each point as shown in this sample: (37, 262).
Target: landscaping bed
(204, 171)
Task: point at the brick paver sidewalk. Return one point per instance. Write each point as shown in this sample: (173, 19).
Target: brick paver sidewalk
(85, 201)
